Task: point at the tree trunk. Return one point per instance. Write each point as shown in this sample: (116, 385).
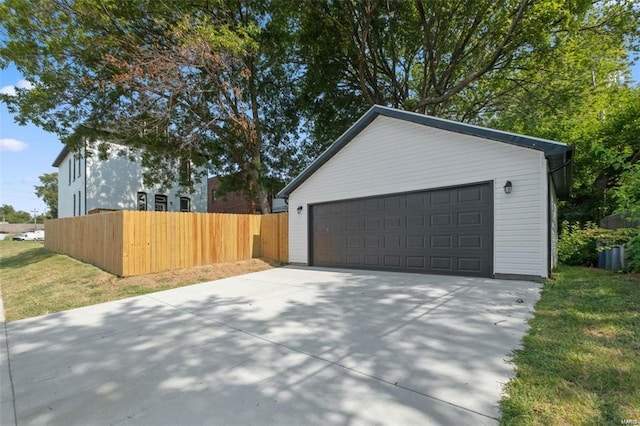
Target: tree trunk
(256, 159)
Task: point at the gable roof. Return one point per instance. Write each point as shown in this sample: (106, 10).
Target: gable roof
(60, 158)
(558, 154)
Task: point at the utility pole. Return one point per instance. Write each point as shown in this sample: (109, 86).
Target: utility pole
(35, 215)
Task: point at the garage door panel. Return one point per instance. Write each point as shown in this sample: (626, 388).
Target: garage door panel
(444, 231)
(373, 205)
(392, 242)
(373, 223)
(355, 224)
(373, 242)
(441, 264)
(470, 241)
(354, 242)
(416, 262)
(441, 219)
(470, 218)
(395, 203)
(415, 242)
(440, 198)
(394, 222)
(392, 261)
(417, 201)
(415, 222)
(355, 208)
(372, 260)
(441, 242)
(470, 264)
(469, 194)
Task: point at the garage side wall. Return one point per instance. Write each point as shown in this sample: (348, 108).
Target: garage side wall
(554, 227)
(391, 156)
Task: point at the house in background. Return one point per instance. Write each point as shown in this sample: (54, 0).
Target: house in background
(232, 202)
(407, 192)
(87, 184)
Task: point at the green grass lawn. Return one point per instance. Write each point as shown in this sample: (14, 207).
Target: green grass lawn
(580, 362)
(36, 281)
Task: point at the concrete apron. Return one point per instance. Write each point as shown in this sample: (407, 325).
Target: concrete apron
(284, 346)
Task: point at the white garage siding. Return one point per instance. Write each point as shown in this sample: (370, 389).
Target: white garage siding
(392, 155)
(554, 227)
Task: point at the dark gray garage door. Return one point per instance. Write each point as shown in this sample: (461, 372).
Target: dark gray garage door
(445, 231)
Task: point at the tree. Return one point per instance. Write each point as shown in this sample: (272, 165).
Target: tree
(9, 214)
(48, 191)
(619, 150)
(572, 97)
(179, 81)
(464, 60)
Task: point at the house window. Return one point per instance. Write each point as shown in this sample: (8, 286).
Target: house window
(79, 204)
(185, 173)
(74, 203)
(142, 201)
(74, 170)
(79, 165)
(213, 195)
(160, 203)
(185, 204)
(70, 176)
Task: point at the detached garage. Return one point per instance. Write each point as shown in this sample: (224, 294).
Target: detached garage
(402, 191)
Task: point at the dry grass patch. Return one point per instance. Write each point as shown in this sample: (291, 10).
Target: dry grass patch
(36, 281)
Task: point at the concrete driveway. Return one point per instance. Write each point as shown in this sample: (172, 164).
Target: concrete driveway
(285, 346)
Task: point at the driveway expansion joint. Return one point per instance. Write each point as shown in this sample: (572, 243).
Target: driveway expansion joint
(319, 358)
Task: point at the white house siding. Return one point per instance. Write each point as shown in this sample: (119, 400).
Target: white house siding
(115, 182)
(71, 192)
(391, 156)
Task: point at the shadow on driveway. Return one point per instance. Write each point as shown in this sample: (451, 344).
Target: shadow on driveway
(283, 346)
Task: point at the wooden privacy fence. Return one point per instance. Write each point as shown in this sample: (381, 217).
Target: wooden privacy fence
(129, 243)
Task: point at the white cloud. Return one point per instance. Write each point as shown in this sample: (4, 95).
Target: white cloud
(14, 145)
(8, 90)
(11, 90)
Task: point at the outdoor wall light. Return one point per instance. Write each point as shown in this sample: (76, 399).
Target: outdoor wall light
(508, 187)
(299, 209)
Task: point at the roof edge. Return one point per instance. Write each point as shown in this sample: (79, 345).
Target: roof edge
(549, 147)
(65, 151)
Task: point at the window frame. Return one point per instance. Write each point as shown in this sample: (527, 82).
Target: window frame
(139, 201)
(188, 207)
(160, 200)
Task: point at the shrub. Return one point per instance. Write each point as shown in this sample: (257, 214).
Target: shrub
(632, 250)
(576, 245)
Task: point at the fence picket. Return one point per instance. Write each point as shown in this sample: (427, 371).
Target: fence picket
(129, 243)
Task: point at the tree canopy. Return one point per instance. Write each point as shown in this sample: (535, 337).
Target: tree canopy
(253, 89)
(48, 191)
(181, 81)
(9, 214)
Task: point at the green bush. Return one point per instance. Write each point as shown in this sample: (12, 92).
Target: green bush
(580, 245)
(576, 245)
(632, 250)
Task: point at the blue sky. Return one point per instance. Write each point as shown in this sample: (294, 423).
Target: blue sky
(27, 152)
